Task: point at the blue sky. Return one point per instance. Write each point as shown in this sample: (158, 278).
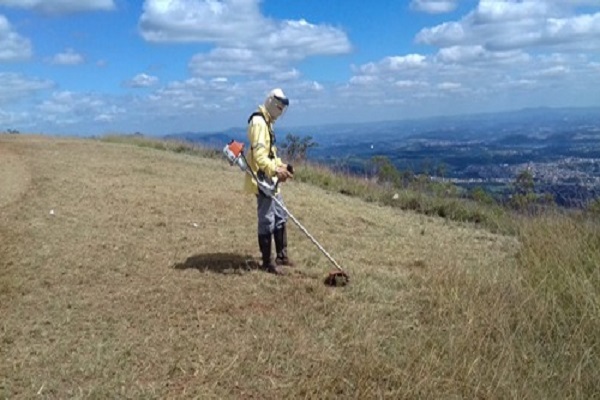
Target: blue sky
(83, 67)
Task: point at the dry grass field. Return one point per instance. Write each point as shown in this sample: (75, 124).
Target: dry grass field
(129, 272)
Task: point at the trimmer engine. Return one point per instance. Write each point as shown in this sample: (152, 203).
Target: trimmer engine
(234, 153)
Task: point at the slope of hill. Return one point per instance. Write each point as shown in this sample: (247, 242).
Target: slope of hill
(131, 272)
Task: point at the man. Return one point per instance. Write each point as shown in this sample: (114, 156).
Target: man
(265, 164)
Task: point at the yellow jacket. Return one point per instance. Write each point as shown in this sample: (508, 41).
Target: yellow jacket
(260, 131)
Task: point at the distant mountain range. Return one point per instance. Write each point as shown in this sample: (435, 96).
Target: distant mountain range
(529, 122)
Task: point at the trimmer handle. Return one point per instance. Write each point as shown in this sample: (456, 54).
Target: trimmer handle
(269, 189)
(234, 153)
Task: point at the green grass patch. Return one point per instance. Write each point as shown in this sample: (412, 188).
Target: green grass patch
(439, 203)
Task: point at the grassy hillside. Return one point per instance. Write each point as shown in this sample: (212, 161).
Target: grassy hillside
(129, 271)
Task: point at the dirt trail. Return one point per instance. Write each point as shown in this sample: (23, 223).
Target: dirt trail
(14, 173)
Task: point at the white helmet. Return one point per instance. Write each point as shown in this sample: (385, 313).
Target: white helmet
(276, 103)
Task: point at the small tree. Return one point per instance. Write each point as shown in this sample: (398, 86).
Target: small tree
(426, 166)
(421, 182)
(407, 176)
(296, 148)
(523, 191)
(386, 171)
(524, 182)
(441, 170)
(480, 195)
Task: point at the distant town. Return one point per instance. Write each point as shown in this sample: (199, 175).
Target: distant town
(559, 148)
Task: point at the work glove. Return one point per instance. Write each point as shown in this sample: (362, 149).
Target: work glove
(283, 173)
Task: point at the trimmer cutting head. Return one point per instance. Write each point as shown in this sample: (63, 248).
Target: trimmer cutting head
(337, 278)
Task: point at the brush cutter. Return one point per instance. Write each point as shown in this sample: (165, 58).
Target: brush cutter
(234, 153)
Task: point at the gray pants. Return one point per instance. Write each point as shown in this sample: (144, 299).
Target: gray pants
(270, 215)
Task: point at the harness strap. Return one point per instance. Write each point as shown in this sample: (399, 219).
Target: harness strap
(271, 136)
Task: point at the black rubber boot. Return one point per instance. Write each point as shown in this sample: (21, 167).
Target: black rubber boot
(281, 247)
(264, 243)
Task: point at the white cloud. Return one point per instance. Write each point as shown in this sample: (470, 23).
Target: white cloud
(247, 42)
(287, 76)
(232, 61)
(194, 93)
(142, 81)
(214, 21)
(510, 85)
(445, 35)
(501, 54)
(67, 57)
(13, 47)
(316, 86)
(552, 72)
(536, 48)
(434, 6)
(394, 72)
(224, 61)
(300, 39)
(408, 84)
(478, 54)
(179, 104)
(8, 119)
(363, 79)
(61, 6)
(394, 63)
(17, 87)
(502, 25)
(65, 102)
(68, 108)
(450, 86)
(482, 78)
(490, 11)
(110, 113)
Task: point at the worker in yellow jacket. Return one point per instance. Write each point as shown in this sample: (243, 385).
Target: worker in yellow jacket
(265, 164)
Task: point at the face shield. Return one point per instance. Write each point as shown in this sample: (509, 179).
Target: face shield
(277, 104)
(281, 103)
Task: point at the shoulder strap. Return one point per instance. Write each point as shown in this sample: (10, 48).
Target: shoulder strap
(271, 137)
(256, 114)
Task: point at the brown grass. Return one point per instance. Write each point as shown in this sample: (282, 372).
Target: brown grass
(143, 284)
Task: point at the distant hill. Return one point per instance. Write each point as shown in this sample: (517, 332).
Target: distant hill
(469, 126)
(210, 140)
